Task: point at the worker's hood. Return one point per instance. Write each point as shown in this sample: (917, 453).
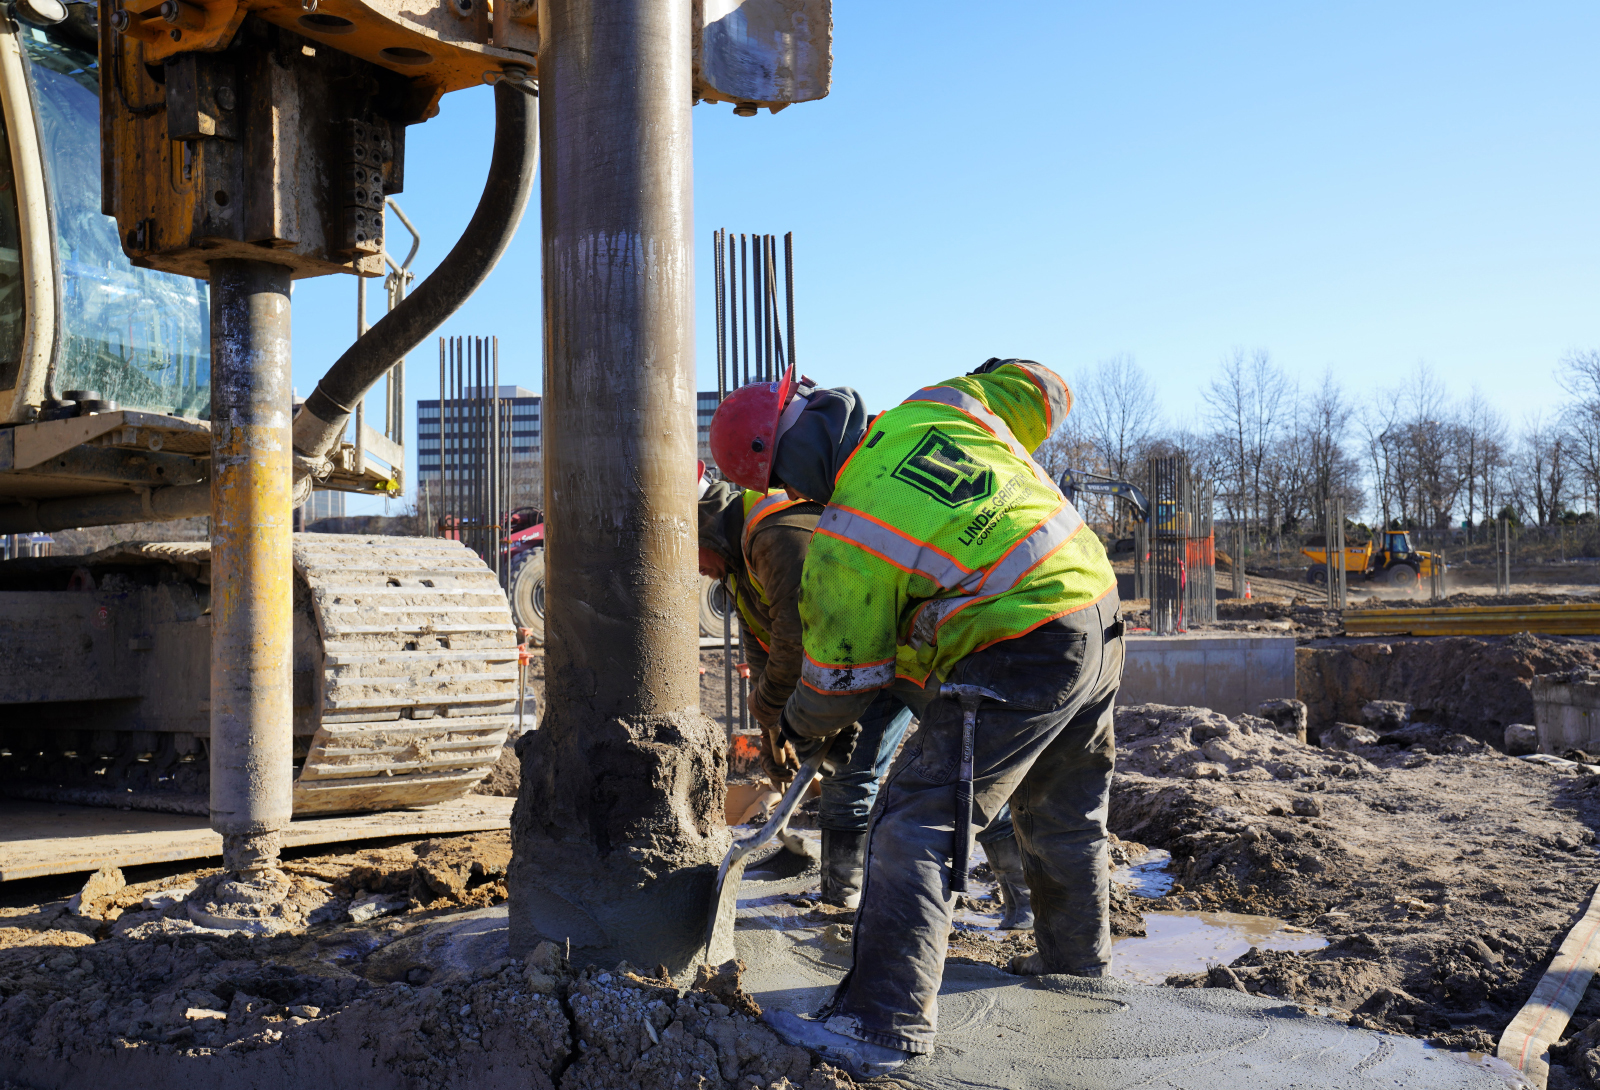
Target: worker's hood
(714, 529)
(814, 449)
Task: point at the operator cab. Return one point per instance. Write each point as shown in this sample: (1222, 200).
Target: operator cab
(1398, 543)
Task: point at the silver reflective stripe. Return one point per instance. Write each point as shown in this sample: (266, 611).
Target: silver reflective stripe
(897, 548)
(965, 402)
(847, 679)
(1043, 540)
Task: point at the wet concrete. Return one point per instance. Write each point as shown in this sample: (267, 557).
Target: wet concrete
(998, 1030)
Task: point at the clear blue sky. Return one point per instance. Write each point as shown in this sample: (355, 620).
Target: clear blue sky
(1363, 186)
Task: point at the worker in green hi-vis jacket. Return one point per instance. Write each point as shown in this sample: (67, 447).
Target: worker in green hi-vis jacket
(946, 555)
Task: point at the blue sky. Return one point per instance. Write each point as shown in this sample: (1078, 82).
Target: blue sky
(1359, 186)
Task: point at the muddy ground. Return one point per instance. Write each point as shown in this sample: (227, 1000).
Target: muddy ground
(1443, 873)
(112, 984)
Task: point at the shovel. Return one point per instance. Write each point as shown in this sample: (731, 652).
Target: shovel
(725, 897)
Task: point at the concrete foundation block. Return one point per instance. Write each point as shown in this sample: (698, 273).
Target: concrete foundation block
(1230, 674)
(1566, 711)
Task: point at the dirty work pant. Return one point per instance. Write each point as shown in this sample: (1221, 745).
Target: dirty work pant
(1049, 750)
(848, 791)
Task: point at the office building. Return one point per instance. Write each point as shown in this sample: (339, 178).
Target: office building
(520, 429)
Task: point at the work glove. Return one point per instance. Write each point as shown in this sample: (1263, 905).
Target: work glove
(778, 758)
(844, 743)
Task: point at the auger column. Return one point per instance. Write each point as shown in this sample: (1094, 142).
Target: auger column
(619, 816)
(252, 580)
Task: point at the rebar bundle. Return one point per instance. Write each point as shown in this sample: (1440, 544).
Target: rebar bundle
(1183, 575)
(474, 449)
(755, 342)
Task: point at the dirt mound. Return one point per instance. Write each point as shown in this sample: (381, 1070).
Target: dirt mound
(1443, 872)
(1477, 685)
(234, 1011)
(504, 778)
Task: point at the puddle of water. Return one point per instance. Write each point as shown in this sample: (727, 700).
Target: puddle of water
(1148, 875)
(1179, 942)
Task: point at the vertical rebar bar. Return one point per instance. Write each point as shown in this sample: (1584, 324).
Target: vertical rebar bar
(719, 297)
(788, 287)
(744, 298)
(493, 460)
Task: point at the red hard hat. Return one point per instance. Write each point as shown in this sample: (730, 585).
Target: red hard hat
(744, 431)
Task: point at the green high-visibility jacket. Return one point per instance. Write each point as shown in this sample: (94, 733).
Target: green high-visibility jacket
(944, 536)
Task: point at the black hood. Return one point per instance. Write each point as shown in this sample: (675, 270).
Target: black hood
(811, 453)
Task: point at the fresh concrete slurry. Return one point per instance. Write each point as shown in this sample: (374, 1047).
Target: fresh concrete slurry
(1002, 1031)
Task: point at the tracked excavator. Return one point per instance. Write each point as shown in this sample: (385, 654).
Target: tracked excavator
(404, 654)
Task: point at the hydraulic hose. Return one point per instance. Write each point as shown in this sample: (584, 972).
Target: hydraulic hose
(321, 422)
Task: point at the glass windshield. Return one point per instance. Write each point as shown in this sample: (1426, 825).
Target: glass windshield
(135, 336)
(1398, 543)
(13, 300)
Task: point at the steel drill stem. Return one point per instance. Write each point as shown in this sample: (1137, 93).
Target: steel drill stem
(252, 576)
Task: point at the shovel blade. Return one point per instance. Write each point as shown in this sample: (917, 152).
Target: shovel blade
(724, 909)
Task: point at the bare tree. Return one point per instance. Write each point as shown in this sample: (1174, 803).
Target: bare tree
(1247, 402)
(1542, 469)
(1115, 415)
(1579, 374)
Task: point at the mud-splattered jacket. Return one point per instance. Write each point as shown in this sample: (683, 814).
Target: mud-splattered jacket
(942, 536)
(769, 536)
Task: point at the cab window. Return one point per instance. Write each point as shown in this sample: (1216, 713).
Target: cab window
(135, 336)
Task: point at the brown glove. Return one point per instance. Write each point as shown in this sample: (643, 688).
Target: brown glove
(778, 758)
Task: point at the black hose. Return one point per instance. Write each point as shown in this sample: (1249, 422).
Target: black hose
(321, 420)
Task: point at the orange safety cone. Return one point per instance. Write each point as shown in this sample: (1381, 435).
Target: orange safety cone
(1247, 588)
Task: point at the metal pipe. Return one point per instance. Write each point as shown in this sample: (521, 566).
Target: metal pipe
(252, 576)
(616, 188)
(106, 509)
(322, 419)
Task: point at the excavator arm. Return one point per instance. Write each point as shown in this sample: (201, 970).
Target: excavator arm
(1074, 481)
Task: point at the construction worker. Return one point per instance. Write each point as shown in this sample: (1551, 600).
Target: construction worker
(756, 544)
(945, 554)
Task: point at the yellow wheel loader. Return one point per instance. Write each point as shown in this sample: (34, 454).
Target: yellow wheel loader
(1387, 559)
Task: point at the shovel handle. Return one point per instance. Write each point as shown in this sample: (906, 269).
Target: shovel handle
(781, 813)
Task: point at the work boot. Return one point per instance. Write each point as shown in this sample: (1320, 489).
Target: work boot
(1005, 859)
(861, 1059)
(843, 867)
(1033, 965)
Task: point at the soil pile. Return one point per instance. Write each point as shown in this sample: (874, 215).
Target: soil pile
(231, 1010)
(1443, 872)
(1476, 685)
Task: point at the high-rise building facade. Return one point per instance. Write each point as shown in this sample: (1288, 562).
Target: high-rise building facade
(521, 430)
(522, 408)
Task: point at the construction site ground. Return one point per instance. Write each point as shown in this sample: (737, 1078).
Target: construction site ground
(1391, 903)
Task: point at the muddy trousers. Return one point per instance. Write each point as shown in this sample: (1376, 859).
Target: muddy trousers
(849, 790)
(1049, 750)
